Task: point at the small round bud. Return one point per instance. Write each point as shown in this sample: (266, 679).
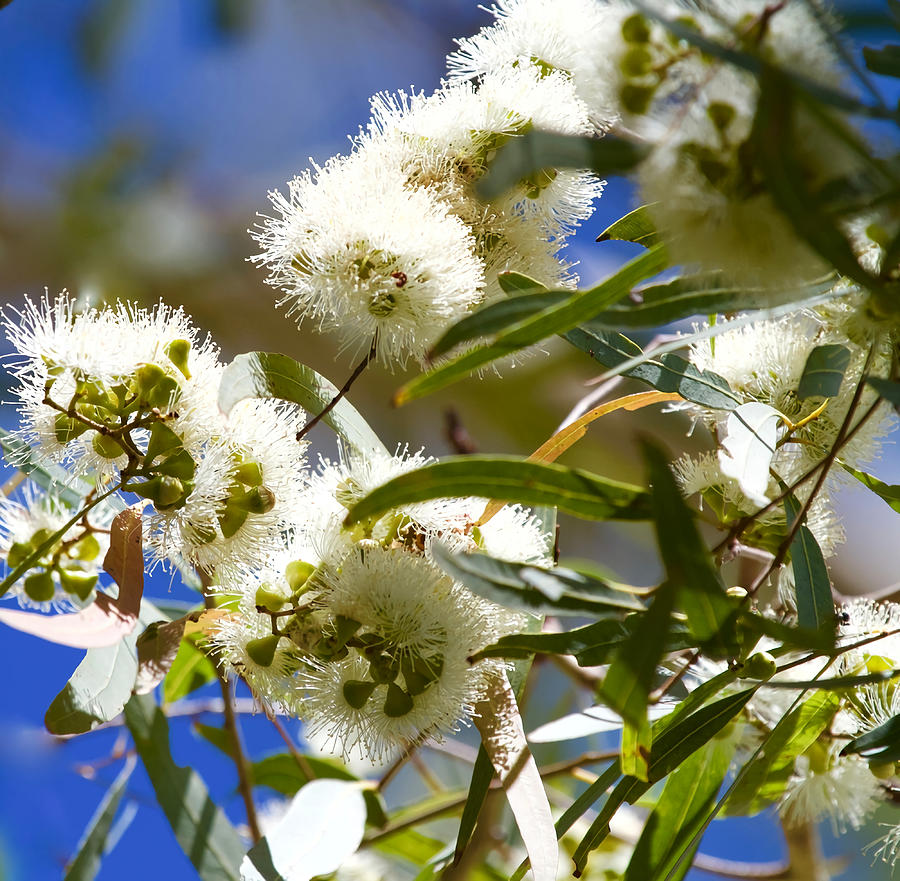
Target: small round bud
(297, 573)
(106, 446)
(231, 520)
(635, 29)
(636, 62)
(18, 553)
(40, 587)
(87, 548)
(737, 592)
(146, 378)
(636, 99)
(760, 666)
(66, 429)
(169, 492)
(882, 770)
(249, 473)
(268, 599)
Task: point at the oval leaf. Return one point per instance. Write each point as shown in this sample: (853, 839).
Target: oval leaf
(748, 446)
(823, 372)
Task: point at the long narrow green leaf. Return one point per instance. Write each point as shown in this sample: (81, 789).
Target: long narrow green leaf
(689, 794)
(200, 826)
(511, 480)
(272, 375)
(888, 389)
(885, 60)
(890, 493)
(881, 744)
(537, 150)
(535, 590)
(815, 604)
(92, 847)
(581, 306)
(666, 373)
(689, 570)
(636, 226)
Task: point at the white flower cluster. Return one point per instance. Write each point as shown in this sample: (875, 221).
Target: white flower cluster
(763, 364)
(357, 630)
(391, 244)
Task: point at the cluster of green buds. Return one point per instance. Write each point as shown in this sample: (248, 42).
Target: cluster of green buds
(648, 55)
(69, 562)
(112, 411)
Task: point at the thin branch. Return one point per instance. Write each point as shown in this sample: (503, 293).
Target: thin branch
(394, 768)
(298, 756)
(343, 391)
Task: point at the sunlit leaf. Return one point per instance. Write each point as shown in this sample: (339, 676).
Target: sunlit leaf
(636, 226)
(889, 492)
(190, 670)
(271, 375)
(747, 448)
(881, 744)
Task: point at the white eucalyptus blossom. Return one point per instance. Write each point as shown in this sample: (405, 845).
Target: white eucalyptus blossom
(246, 486)
(66, 574)
(405, 674)
(357, 251)
(94, 367)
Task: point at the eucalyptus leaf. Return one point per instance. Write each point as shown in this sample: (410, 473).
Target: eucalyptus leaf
(556, 318)
(815, 604)
(200, 826)
(881, 744)
(272, 375)
(748, 446)
(508, 479)
(889, 492)
(538, 591)
(537, 150)
(93, 845)
(190, 670)
(824, 372)
(884, 60)
(888, 389)
(636, 226)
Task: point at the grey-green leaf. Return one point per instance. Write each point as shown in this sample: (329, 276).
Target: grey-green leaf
(509, 479)
(824, 372)
(200, 826)
(884, 60)
(889, 492)
(272, 375)
(538, 591)
(815, 604)
(92, 847)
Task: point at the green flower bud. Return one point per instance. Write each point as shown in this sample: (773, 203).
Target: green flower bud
(180, 464)
(162, 440)
(882, 770)
(106, 446)
(258, 500)
(40, 587)
(77, 582)
(169, 493)
(262, 651)
(297, 573)
(249, 473)
(636, 99)
(636, 62)
(231, 520)
(87, 548)
(383, 668)
(66, 429)
(344, 628)
(721, 114)
(397, 703)
(178, 352)
(736, 592)
(268, 599)
(357, 692)
(760, 666)
(164, 394)
(146, 378)
(635, 29)
(19, 552)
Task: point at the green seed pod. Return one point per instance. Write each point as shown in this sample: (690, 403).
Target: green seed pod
(737, 592)
(268, 599)
(178, 352)
(106, 446)
(760, 666)
(39, 587)
(164, 394)
(397, 703)
(383, 668)
(357, 692)
(66, 429)
(77, 582)
(162, 441)
(721, 114)
(180, 465)
(635, 29)
(297, 573)
(231, 520)
(262, 651)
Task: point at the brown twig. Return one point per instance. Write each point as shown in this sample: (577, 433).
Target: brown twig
(298, 756)
(341, 392)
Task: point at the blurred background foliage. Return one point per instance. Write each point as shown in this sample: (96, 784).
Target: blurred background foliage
(137, 142)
